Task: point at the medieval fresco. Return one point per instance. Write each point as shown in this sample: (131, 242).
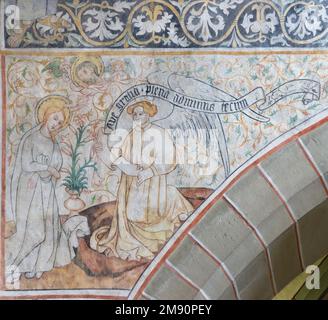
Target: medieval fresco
(110, 152)
(91, 197)
(165, 24)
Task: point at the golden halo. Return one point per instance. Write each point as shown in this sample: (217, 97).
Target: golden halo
(97, 61)
(54, 102)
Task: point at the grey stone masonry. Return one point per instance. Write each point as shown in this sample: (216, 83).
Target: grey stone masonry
(316, 143)
(263, 232)
(294, 177)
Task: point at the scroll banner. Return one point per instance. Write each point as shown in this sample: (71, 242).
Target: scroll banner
(256, 98)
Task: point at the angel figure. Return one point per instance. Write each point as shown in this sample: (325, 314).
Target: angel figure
(148, 209)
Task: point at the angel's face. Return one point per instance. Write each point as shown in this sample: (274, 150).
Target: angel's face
(140, 116)
(87, 74)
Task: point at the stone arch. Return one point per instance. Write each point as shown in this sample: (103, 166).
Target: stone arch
(260, 232)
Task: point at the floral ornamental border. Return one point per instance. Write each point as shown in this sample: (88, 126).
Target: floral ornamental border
(175, 24)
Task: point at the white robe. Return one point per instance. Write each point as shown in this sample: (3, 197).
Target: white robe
(146, 215)
(40, 242)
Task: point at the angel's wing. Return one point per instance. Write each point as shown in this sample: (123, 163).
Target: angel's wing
(202, 126)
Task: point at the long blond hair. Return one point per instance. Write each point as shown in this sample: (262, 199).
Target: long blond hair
(50, 105)
(148, 107)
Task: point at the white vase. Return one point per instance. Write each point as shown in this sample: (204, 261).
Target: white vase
(74, 203)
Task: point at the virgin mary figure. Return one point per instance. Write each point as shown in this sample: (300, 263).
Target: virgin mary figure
(148, 209)
(41, 242)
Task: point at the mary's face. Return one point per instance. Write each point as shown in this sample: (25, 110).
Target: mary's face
(139, 115)
(55, 122)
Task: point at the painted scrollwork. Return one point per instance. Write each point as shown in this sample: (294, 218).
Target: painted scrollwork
(306, 22)
(156, 23)
(258, 23)
(176, 24)
(104, 22)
